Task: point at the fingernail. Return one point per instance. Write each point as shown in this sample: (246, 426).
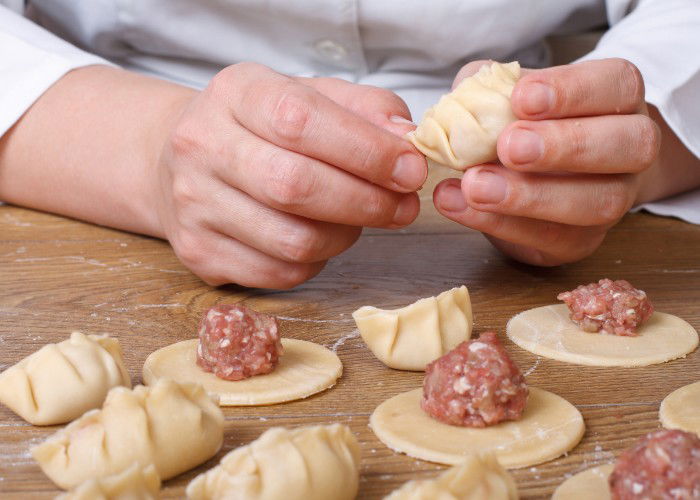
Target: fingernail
(452, 199)
(409, 171)
(406, 211)
(401, 120)
(537, 98)
(524, 146)
(485, 186)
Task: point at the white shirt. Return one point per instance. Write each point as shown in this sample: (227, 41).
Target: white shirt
(413, 47)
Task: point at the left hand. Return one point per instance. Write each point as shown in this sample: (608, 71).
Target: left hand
(571, 167)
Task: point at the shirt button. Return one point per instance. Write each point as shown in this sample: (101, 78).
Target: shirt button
(331, 50)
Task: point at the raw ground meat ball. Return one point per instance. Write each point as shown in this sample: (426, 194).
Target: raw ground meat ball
(236, 342)
(663, 465)
(474, 385)
(615, 307)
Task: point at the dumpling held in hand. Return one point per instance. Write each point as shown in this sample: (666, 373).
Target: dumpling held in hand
(461, 130)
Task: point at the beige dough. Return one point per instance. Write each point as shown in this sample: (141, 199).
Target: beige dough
(304, 369)
(479, 477)
(681, 409)
(549, 427)
(60, 382)
(591, 484)
(462, 129)
(172, 426)
(134, 483)
(319, 462)
(547, 331)
(411, 337)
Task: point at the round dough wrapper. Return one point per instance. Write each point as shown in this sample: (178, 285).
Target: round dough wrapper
(304, 369)
(547, 331)
(586, 485)
(549, 427)
(681, 409)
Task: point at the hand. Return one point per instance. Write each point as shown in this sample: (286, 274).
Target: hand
(265, 177)
(571, 167)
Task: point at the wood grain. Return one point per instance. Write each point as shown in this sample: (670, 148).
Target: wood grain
(58, 275)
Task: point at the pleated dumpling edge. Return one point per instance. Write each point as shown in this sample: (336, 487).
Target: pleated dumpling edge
(411, 337)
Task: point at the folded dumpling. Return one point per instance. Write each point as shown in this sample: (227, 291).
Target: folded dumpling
(480, 477)
(173, 426)
(411, 337)
(134, 483)
(308, 463)
(60, 382)
(461, 130)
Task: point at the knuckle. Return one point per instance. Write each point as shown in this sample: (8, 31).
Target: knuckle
(388, 98)
(189, 249)
(290, 275)
(650, 142)
(632, 80)
(184, 192)
(186, 140)
(291, 112)
(615, 204)
(301, 244)
(289, 184)
(377, 209)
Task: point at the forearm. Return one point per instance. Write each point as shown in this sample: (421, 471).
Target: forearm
(88, 148)
(676, 170)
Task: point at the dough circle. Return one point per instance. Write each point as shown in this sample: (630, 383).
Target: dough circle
(681, 409)
(549, 427)
(586, 485)
(304, 369)
(547, 331)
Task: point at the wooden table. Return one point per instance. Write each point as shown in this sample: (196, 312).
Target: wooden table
(58, 275)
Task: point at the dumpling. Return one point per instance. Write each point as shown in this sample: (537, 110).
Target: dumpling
(134, 483)
(172, 426)
(480, 477)
(461, 130)
(411, 337)
(60, 382)
(308, 463)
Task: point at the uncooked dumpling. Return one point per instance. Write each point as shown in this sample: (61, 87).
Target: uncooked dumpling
(462, 129)
(134, 483)
(308, 463)
(172, 426)
(480, 477)
(411, 337)
(60, 382)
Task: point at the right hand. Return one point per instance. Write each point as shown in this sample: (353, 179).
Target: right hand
(264, 177)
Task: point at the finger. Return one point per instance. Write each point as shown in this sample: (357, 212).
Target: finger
(377, 105)
(589, 88)
(601, 144)
(529, 240)
(296, 184)
(218, 259)
(281, 235)
(580, 200)
(298, 118)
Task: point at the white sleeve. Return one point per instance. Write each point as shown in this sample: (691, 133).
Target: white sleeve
(31, 60)
(662, 37)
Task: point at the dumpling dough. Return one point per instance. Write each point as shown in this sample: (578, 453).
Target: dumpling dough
(681, 409)
(547, 331)
(461, 130)
(172, 426)
(411, 337)
(60, 382)
(587, 485)
(304, 369)
(308, 463)
(549, 427)
(134, 483)
(480, 477)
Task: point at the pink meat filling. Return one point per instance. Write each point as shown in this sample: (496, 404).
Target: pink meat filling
(615, 307)
(474, 385)
(236, 342)
(663, 465)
